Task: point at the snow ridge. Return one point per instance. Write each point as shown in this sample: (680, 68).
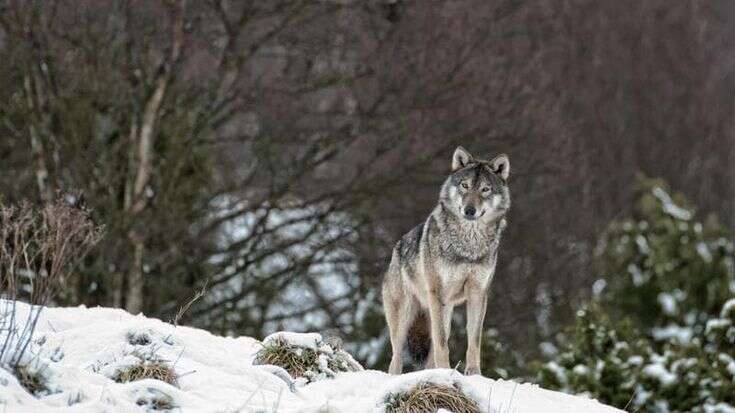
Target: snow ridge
(82, 348)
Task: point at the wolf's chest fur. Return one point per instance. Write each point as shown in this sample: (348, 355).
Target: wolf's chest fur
(460, 241)
(459, 253)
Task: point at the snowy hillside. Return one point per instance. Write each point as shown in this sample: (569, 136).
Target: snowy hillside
(79, 351)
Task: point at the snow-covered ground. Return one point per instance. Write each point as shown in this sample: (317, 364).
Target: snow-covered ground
(82, 348)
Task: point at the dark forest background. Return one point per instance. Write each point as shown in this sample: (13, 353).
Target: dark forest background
(272, 152)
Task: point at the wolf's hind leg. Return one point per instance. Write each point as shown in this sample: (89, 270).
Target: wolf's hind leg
(430, 359)
(399, 312)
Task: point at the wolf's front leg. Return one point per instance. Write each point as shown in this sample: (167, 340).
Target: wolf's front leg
(476, 306)
(441, 323)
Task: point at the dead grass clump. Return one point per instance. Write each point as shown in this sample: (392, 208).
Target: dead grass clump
(32, 381)
(305, 356)
(429, 398)
(148, 369)
(156, 400)
(297, 361)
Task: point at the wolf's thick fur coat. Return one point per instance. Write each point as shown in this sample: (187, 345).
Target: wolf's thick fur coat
(448, 260)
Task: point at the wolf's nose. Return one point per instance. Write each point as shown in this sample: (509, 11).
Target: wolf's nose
(470, 211)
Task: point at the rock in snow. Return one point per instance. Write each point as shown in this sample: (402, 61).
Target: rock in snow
(80, 349)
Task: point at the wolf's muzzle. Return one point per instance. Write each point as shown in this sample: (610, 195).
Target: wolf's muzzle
(470, 211)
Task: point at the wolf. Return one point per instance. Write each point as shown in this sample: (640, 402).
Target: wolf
(448, 260)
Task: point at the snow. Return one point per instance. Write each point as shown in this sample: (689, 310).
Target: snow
(79, 349)
(308, 340)
(668, 303)
(716, 324)
(639, 277)
(494, 396)
(643, 247)
(673, 331)
(658, 371)
(598, 287)
(718, 408)
(670, 207)
(558, 371)
(729, 362)
(728, 309)
(635, 360)
(704, 252)
(548, 349)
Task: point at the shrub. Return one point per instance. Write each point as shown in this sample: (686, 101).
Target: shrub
(669, 344)
(622, 369)
(597, 359)
(664, 267)
(38, 249)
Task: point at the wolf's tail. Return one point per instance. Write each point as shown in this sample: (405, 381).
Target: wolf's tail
(419, 338)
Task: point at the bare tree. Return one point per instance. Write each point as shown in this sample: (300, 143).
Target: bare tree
(276, 150)
(142, 136)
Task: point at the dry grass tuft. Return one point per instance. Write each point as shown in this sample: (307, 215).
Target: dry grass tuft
(148, 369)
(160, 404)
(297, 361)
(429, 398)
(33, 382)
(312, 364)
(156, 401)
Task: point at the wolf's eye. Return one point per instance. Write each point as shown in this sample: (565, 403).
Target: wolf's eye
(465, 185)
(485, 189)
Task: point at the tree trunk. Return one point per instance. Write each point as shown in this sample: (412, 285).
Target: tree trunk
(139, 200)
(37, 149)
(142, 137)
(136, 282)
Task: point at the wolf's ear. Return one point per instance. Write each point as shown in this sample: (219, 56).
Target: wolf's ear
(501, 166)
(461, 159)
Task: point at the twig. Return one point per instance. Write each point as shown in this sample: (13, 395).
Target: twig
(635, 391)
(199, 294)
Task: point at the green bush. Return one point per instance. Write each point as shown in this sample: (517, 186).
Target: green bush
(660, 337)
(616, 365)
(598, 360)
(662, 267)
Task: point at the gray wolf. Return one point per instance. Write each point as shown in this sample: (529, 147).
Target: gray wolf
(448, 260)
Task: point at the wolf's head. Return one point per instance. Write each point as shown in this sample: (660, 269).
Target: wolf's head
(477, 190)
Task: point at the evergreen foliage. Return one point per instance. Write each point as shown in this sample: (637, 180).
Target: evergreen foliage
(671, 277)
(662, 266)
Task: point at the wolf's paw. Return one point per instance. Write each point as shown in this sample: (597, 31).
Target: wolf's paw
(471, 371)
(396, 365)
